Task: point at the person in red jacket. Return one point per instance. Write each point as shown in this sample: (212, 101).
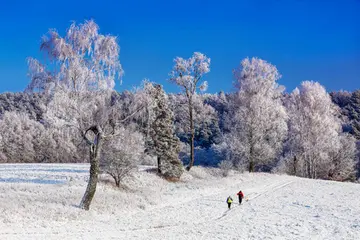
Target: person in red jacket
(241, 196)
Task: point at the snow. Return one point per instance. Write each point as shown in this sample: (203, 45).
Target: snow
(40, 201)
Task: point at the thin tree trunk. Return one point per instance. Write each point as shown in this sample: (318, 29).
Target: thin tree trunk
(308, 166)
(251, 158)
(159, 164)
(315, 169)
(192, 137)
(95, 150)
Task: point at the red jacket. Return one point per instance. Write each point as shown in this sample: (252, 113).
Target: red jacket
(240, 194)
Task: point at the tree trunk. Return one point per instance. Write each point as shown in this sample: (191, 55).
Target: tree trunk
(192, 137)
(159, 164)
(307, 166)
(295, 163)
(315, 168)
(117, 182)
(251, 165)
(95, 150)
(251, 158)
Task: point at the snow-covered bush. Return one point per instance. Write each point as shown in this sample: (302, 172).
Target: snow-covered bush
(122, 154)
(148, 160)
(225, 166)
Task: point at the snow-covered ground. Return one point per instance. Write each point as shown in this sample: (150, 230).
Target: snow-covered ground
(40, 201)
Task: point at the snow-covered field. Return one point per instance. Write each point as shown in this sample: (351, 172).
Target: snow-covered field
(40, 201)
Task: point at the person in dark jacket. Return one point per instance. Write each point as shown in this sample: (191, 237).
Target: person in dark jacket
(241, 196)
(229, 200)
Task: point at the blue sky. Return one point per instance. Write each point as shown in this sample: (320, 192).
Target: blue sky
(306, 39)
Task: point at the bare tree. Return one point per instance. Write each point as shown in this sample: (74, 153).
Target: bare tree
(187, 74)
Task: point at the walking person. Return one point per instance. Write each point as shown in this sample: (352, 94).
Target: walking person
(241, 196)
(229, 200)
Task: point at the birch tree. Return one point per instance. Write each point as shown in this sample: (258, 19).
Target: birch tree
(81, 70)
(187, 74)
(259, 126)
(82, 60)
(343, 159)
(314, 129)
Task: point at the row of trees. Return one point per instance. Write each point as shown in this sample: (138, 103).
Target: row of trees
(70, 111)
(215, 130)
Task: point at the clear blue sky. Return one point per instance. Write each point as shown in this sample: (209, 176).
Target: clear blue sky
(306, 39)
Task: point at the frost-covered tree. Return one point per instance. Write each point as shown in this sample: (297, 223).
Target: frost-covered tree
(349, 104)
(33, 104)
(121, 155)
(17, 144)
(19, 136)
(259, 126)
(187, 74)
(314, 129)
(96, 120)
(3, 157)
(354, 113)
(341, 98)
(343, 159)
(82, 60)
(86, 113)
(165, 143)
(220, 102)
(206, 122)
(26, 140)
(82, 64)
(205, 117)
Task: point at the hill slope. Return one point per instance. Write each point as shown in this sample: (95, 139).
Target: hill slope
(39, 201)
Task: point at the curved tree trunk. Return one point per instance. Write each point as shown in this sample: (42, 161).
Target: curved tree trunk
(95, 150)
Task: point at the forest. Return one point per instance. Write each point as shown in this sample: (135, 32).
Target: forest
(70, 113)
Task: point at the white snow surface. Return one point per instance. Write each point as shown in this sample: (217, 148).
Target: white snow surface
(40, 201)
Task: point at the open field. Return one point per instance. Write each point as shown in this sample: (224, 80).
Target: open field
(40, 201)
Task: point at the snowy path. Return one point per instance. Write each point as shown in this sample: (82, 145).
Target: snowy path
(278, 207)
(206, 210)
